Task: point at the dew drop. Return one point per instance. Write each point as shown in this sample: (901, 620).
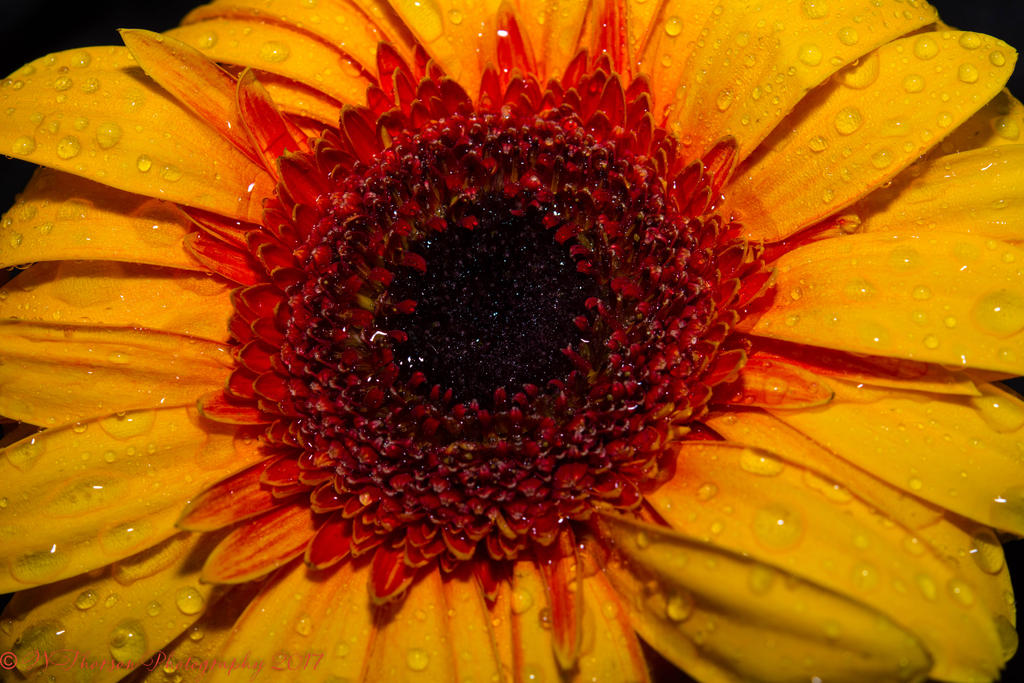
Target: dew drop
(968, 73)
(848, 35)
(171, 174)
(961, 592)
(1000, 313)
(927, 586)
(997, 58)
(143, 163)
(1007, 636)
(304, 626)
(970, 41)
(864, 576)
(1000, 413)
(673, 26)
(777, 527)
(815, 9)
(761, 579)
(915, 484)
(724, 100)
(882, 158)
(987, 551)
(522, 601)
(23, 146)
(679, 606)
(455, 16)
(207, 40)
(818, 144)
(46, 636)
(69, 147)
(154, 608)
(1007, 128)
(417, 659)
(706, 492)
(922, 293)
(925, 47)
(930, 342)
(90, 85)
(87, 599)
(760, 463)
(274, 52)
(62, 83)
(189, 600)
(848, 120)
(128, 641)
(108, 135)
(945, 119)
(41, 566)
(810, 54)
(913, 83)
(128, 425)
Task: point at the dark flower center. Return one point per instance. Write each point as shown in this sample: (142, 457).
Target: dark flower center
(495, 307)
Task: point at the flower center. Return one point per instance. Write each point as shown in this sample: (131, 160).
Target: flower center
(494, 307)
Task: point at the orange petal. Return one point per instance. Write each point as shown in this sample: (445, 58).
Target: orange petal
(976, 192)
(125, 146)
(943, 298)
(532, 652)
(261, 545)
(236, 498)
(776, 383)
(61, 216)
(203, 87)
(609, 650)
(302, 101)
(127, 612)
(763, 508)
(804, 172)
(758, 76)
(474, 642)
(555, 31)
(120, 295)
(966, 459)
(269, 131)
(998, 123)
(560, 570)
(683, 599)
(288, 53)
(55, 374)
(303, 624)
(106, 489)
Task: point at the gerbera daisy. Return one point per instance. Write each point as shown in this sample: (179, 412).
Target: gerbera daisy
(483, 341)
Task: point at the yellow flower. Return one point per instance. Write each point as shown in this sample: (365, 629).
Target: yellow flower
(441, 340)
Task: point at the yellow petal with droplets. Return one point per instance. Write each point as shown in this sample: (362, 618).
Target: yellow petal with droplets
(976, 192)
(414, 641)
(938, 297)
(714, 614)
(761, 430)
(55, 374)
(960, 453)
(61, 216)
(84, 496)
(852, 135)
(108, 293)
(1000, 122)
(755, 60)
(94, 114)
(281, 51)
(306, 622)
(126, 613)
(764, 508)
(474, 644)
(554, 28)
(199, 647)
(609, 650)
(533, 654)
(356, 28)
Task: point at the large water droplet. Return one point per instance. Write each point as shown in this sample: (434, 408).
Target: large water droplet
(679, 606)
(128, 642)
(925, 47)
(1001, 413)
(69, 147)
(760, 463)
(848, 120)
(41, 566)
(125, 426)
(43, 637)
(1000, 313)
(189, 600)
(417, 659)
(777, 526)
(987, 551)
(522, 601)
(673, 26)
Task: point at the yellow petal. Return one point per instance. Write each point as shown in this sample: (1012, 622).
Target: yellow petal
(355, 28)
(300, 100)
(120, 295)
(943, 298)
(127, 613)
(55, 374)
(61, 216)
(755, 60)
(976, 192)
(759, 506)
(610, 650)
(1000, 122)
(960, 453)
(304, 622)
(82, 497)
(197, 651)
(282, 51)
(93, 114)
(554, 29)
(715, 614)
(473, 639)
(851, 136)
(533, 655)
(417, 641)
(762, 430)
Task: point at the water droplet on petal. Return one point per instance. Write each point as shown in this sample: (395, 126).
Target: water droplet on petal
(997, 58)
(925, 47)
(417, 659)
(848, 35)
(522, 601)
(810, 54)
(913, 83)
(274, 52)
(815, 9)
(1000, 413)
(970, 41)
(673, 26)
(144, 163)
(23, 146)
(961, 592)
(69, 147)
(968, 73)
(189, 600)
(124, 426)
(86, 599)
(706, 492)
(987, 551)
(817, 144)
(1000, 313)
(679, 606)
(128, 641)
(760, 463)
(777, 527)
(108, 135)
(848, 120)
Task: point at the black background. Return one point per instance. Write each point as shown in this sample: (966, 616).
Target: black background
(32, 28)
